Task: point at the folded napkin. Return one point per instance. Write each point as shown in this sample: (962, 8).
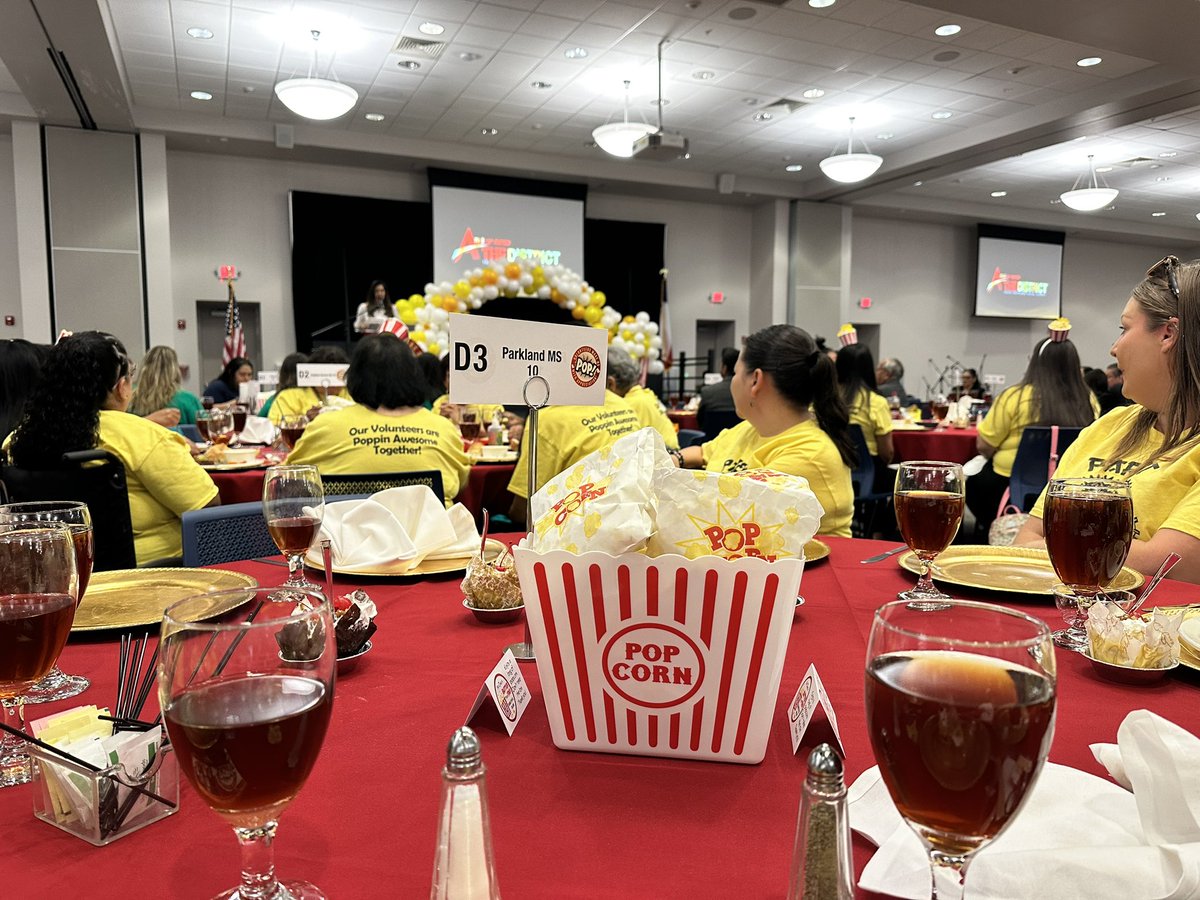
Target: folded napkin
(400, 525)
(1078, 837)
(257, 431)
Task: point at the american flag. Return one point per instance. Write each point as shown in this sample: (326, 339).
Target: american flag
(235, 338)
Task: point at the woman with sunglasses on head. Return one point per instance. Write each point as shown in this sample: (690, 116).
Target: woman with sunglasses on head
(795, 421)
(1154, 444)
(80, 404)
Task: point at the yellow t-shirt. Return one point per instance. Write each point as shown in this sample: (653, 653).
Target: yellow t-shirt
(1167, 495)
(295, 401)
(805, 450)
(484, 412)
(1006, 421)
(566, 434)
(650, 414)
(871, 413)
(164, 481)
(358, 440)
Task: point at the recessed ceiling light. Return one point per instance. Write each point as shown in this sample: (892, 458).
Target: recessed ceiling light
(1104, 168)
(1055, 202)
(999, 193)
(411, 64)
(821, 4)
(202, 34)
(762, 117)
(1089, 61)
(374, 117)
(575, 53)
(660, 101)
(431, 28)
(541, 85)
(813, 94)
(704, 74)
(941, 114)
(201, 95)
(947, 30)
(468, 56)
(750, 101)
(1158, 214)
(1167, 154)
(536, 126)
(488, 131)
(1163, 178)
(884, 136)
(794, 167)
(918, 183)
(248, 89)
(741, 13)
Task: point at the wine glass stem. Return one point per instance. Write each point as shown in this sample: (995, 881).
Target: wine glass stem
(258, 862)
(295, 563)
(925, 582)
(948, 875)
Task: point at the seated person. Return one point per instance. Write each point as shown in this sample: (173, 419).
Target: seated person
(160, 387)
(80, 404)
(623, 374)
(1154, 444)
(224, 388)
(20, 369)
(716, 398)
(387, 429)
(868, 410)
(566, 434)
(786, 390)
(289, 399)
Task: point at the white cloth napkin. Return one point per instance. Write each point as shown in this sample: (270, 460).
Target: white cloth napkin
(402, 524)
(1078, 837)
(257, 431)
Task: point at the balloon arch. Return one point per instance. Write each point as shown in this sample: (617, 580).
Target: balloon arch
(427, 315)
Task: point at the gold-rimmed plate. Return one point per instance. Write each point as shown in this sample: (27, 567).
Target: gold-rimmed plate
(1010, 570)
(129, 598)
(1189, 633)
(235, 467)
(398, 569)
(815, 551)
(511, 457)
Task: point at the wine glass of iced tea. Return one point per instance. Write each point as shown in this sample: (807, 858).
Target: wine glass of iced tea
(939, 408)
(246, 698)
(293, 505)
(38, 591)
(291, 428)
(1088, 523)
(57, 685)
(929, 507)
(960, 704)
(220, 426)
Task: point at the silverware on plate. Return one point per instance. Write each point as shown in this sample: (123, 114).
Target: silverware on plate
(882, 556)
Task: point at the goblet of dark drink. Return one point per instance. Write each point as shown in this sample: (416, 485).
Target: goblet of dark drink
(929, 502)
(39, 588)
(57, 685)
(248, 742)
(207, 402)
(291, 428)
(960, 704)
(293, 505)
(202, 419)
(1088, 523)
(239, 418)
(939, 409)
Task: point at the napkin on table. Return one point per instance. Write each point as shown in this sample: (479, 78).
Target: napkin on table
(258, 430)
(1078, 837)
(406, 524)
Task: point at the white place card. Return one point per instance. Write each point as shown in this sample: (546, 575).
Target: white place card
(800, 711)
(492, 359)
(506, 687)
(321, 374)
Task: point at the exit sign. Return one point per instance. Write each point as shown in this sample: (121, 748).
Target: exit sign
(716, 297)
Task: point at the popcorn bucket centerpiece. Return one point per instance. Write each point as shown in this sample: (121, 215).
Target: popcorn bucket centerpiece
(667, 636)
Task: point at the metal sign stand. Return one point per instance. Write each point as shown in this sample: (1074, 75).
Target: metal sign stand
(524, 649)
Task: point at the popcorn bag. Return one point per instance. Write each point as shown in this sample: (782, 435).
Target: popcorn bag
(659, 657)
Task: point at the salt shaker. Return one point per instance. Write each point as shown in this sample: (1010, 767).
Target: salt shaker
(821, 863)
(464, 867)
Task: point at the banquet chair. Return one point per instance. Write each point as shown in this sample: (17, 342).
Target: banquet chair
(1031, 468)
(713, 423)
(870, 505)
(96, 478)
(191, 432)
(690, 437)
(370, 483)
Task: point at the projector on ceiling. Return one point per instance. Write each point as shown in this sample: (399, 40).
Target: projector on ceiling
(660, 145)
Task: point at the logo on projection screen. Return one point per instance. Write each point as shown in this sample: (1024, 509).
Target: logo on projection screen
(1014, 284)
(490, 249)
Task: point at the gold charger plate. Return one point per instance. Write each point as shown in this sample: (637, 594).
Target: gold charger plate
(128, 598)
(1187, 656)
(815, 550)
(235, 467)
(493, 460)
(1011, 570)
(396, 569)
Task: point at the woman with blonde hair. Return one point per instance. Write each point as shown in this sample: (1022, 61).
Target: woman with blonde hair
(1154, 444)
(159, 386)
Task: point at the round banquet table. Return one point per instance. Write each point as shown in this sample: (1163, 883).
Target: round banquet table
(684, 419)
(946, 444)
(564, 824)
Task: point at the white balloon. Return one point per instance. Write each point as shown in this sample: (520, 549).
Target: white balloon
(476, 302)
(476, 294)
(570, 304)
(643, 317)
(652, 327)
(652, 353)
(544, 292)
(462, 306)
(430, 288)
(637, 351)
(477, 271)
(490, 292)
(526, 280)
(656, 342)
(440, 316)
(656, 367)
(422, 314)
(445, 288)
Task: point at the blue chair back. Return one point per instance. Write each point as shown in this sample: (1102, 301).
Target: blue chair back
(715, 422)
(191, 432)
(690, 437)
(1032, 466)
(863, 475)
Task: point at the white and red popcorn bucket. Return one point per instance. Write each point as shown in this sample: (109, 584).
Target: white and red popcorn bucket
(394, 326)
(659, 657)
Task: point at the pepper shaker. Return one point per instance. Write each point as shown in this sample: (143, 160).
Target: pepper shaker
(821, 863)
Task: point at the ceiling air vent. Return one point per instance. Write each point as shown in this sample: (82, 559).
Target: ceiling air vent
(784, 106)
(432, 49)
(1136, 162)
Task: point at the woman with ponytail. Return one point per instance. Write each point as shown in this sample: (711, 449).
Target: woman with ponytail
(795, 421)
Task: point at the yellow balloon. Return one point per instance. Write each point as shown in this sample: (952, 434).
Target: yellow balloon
(578, 312)
(409, 318)
(462, 289)
(450, 304)
(418, 336)
(629, 319)
(538, 272)
(627, 334)
(512, 271)
(599, 295)
(417, 300)
(434, 348)
(490, 276)
(556, 296)
(475, 281)
(592, 314)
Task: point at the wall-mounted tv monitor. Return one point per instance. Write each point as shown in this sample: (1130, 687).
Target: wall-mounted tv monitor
(1019, 273)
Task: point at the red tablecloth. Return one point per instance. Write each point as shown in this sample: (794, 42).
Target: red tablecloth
(565, 824)
(946, 444)
(684, 419)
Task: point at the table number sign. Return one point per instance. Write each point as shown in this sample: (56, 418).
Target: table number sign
(800, 711)
(506, 687)
(492, 359)
(321, 374)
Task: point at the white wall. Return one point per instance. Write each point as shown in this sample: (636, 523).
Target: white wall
(920, 276)
(10, 279)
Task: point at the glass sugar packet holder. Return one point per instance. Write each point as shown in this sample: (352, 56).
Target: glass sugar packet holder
(101, 807)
